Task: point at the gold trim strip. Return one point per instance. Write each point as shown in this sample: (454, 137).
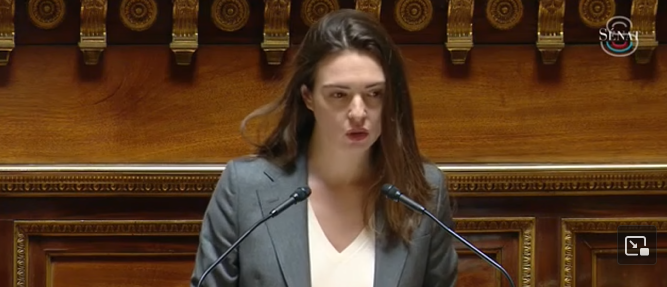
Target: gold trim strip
(93, 30)
(276, 30)
(198, 168)
(571, 226)
(524, 226)
(185, 36)
(550, 39)
(7, 44)
(459, 30)
(643, 15)
(200, 181)
(23, 229)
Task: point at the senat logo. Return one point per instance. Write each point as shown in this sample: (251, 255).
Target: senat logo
(618, 39)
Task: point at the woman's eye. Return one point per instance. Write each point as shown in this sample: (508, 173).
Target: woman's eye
(338, 95)
(375, 94)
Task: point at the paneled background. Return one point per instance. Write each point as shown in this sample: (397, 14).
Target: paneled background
(101, 181)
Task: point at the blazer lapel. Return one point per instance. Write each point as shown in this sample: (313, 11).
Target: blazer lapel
(389, 259)
(288, 230)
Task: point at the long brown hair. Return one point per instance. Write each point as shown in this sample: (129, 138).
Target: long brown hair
(395, 155)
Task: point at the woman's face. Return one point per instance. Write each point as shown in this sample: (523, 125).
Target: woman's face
(346, 100)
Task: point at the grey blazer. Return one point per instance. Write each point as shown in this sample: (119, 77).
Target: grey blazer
(276, 253)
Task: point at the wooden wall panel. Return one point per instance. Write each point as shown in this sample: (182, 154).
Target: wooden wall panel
(137, 107)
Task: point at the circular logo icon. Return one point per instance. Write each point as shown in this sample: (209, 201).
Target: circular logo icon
(617, 39)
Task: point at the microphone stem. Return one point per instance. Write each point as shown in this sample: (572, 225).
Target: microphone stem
(470, 246)
(229, 250)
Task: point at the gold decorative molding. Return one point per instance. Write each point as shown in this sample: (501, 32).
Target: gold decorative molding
(230, 15)
(596, 13)
(524, 226)
(550, 40)
(46, 14)
(276, 30)
(413, 15)
(24, 229)
(555, 183)
(643, 15)
(459, 29)
(138, 15)
(7, 44)
(185, 38)
(504, 14)
(93, 34)
(372, 7)
(83, 184)
(182, 181)
(571, 226)
(313, 10)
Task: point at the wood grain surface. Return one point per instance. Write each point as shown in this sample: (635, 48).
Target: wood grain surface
(503, 106)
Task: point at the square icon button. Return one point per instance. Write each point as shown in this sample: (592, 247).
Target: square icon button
(637, 244)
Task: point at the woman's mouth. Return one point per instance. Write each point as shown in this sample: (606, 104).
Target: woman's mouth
(357, 135)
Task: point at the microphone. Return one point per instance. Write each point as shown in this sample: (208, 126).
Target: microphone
(299, 195)
(395, 194)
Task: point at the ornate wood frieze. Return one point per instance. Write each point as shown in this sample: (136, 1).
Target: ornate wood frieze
(643, 16)
(573, 226)
(194, 182)
(276, 30)
(185, 39)
(93, 39)
(24, 230)
(550, 38)
(459, 29)
(372, 7)
(7, 44)
(49, 21)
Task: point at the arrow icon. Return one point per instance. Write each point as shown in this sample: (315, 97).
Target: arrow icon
(633, 244)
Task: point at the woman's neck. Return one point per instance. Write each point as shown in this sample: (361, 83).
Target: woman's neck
(337, 168)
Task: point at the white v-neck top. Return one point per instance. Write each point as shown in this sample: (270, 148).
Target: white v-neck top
(353, 267)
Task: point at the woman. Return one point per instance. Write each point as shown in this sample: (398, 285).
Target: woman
(346, 129)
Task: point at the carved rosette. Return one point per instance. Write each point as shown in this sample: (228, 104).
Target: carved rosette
(550, 40)
(7, 44)
(138, 15)
(413, 15)
(46, 14)
(643, 16)
(185, 39)
(230, 15)
(372, 7)
(459, 30)
(276, 30)
(504, 14)
(93, 30)
(596, 13)
(313, 10)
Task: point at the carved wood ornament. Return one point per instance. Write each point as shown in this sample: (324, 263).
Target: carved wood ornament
(93, 30)
(230, 15)
(138, 15)
(276, 30)
(6, 30)
(459, 29)
(643, 16)
(185, 39)
(550, 40)
(504, 14)
(372, 7)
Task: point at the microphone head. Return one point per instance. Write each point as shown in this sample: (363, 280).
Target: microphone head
(391, 191)
(301, 193)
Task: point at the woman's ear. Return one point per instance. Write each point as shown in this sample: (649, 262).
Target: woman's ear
(307, 97)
